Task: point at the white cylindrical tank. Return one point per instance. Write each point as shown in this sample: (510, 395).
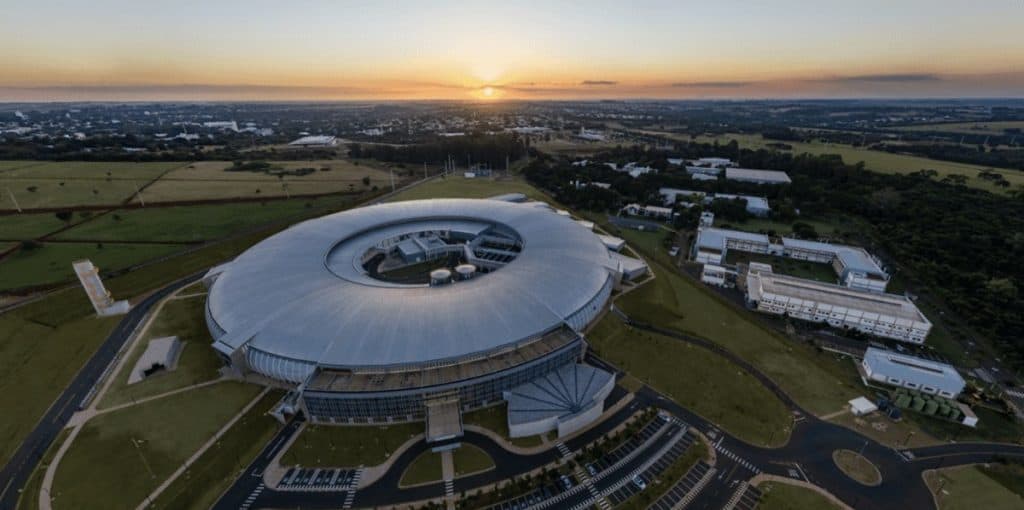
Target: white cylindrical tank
(440, 277)
(465, 271)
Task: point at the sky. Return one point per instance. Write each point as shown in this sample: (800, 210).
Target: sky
(131, 50)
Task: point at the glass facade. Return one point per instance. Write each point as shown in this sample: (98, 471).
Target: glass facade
(409, 405)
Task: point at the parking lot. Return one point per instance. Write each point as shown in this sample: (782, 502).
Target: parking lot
(329, 479)
(648, 475)
(609, 459)
(686, 488)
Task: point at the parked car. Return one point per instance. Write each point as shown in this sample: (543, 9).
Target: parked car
(639, 482)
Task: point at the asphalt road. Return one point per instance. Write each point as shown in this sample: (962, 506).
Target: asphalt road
(18, 470)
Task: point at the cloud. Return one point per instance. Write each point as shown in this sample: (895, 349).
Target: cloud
(885, 78)
(712, 84)
(598, 82)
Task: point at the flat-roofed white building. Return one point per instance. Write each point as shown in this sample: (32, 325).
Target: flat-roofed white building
(713, 162)
(883, 315)
(315, 141)
(704, 170)
(713, 243)
(757, 206)
(757, 176)
(926, 376)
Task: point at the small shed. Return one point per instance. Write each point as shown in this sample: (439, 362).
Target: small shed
(861, 406)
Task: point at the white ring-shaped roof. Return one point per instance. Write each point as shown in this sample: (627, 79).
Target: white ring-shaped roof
(302, 294)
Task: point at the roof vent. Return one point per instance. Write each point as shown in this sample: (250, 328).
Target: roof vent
(465, 271)
(440, 277)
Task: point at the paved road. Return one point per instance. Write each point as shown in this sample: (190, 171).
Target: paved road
(18, 470)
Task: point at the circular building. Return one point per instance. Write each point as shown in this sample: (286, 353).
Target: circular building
(375, 313)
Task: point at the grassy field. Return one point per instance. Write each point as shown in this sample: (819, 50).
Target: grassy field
(1009, 475)
(460, 187)
(119, 457)
(37, 193)
(199, 487)
(19, 227)
(172, 191)
(423, 469)
(880, 161)
(780, 496)
(494, 419)
(821, 383)
(698, 379)
(339, 170)
(785, 265)
(857, 466)
(348, 446)
(197, 362)
(51, 262)
(967, 488)
(69, 170)
(469, 459)
(44, 344)
(977, 128)
(194, 223)
(573, 147)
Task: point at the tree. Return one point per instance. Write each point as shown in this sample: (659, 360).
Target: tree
(64, 216)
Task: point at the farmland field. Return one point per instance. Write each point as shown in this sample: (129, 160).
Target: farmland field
(878, 161)
(19, 227)
(977, 128)
(84, 170)
(339, 170)
(192, 223)
(173, 191)
(54, 193)
(460, 187)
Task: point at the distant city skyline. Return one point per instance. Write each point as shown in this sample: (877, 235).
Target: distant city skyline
(113, 50)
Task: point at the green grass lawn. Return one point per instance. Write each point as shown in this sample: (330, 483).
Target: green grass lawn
(881, 161)
(495, 419)
(785, 265)
(50, 263)
(1009, 475)
(698, 379)
(423, 469)
(469, 459)
(120, 457)
(70, 170)
(19, 227)
(348, 446)
(45, 343)
(817, 381)
(193, 223)
(857, 466)
(781, 496)
(201, 485)
(967, 488)
(456, 186)
(660, 485)
(197, 362)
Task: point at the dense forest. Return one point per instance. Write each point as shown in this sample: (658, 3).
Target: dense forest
(489, 150)
(961, 245)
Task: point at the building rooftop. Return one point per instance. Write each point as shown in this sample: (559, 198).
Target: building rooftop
(910, 368)
(563, 392)
(751, 175)
(852, 257)
(302, 298)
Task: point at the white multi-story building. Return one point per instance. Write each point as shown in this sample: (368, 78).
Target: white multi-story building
(714, 275)
(758, 206)
(713, 243)
(883, 315)
(926, 376)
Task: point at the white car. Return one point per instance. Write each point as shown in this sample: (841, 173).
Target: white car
(639, 482)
